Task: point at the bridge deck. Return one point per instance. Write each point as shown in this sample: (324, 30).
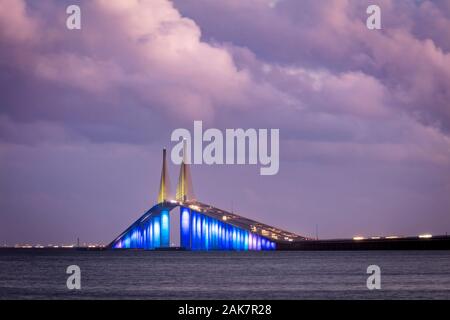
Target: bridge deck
(276, 234)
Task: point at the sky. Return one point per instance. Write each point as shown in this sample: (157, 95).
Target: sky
(364, 115)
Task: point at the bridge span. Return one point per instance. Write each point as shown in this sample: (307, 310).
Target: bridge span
(188, 224)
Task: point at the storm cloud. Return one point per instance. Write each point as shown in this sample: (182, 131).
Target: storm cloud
(364, 115)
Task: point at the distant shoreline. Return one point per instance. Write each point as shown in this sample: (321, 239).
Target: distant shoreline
(403, 243)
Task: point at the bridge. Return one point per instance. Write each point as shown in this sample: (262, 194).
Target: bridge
(185, 223)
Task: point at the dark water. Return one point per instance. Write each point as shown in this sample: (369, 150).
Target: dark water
(225, 275)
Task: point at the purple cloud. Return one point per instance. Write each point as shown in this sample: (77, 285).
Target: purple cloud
(364, 115)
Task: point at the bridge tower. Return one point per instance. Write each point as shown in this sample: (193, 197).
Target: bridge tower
(164, 185)
(185, 191)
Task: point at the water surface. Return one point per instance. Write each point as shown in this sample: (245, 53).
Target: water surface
(40, 274)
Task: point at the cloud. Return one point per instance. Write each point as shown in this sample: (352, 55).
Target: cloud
(104, 100)
(409, 57)
(15, 25)
(153, 53)
(156, 65)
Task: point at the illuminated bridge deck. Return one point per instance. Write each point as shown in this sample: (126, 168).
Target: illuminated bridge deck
(278, 235)
(192, 225)
(201, 227)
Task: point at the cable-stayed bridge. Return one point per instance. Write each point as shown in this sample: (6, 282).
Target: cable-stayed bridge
(184, 222)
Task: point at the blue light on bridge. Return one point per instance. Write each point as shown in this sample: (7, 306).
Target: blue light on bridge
(156, 232)
(197, 232)
(165, 229)
(211, 234)
(185, 228)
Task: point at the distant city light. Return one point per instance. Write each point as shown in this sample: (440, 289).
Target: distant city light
(26, 246)
(375, 238)
(358, 238)
(425, 236)
(51, 246)
(392, 237)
